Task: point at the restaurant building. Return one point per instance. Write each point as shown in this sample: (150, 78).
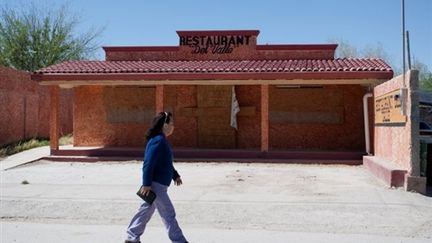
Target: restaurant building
(296, 101)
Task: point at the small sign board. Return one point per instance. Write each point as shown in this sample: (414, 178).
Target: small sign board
(388, 108)
(219, 44)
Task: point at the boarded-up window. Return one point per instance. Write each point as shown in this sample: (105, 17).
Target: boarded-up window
(129, 104)
(306, 105)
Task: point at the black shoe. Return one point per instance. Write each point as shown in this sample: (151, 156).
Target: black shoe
(128, 241)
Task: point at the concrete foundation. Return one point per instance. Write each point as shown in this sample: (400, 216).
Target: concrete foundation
(390, 173)
(415, 184)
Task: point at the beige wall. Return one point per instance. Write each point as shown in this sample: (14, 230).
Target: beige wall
(399, 144)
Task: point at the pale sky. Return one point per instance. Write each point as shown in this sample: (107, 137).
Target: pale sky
(360, 22)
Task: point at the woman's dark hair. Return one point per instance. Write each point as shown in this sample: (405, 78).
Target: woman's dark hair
(157, 124)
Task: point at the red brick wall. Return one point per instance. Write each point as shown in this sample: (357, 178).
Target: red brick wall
(94, 127)
(24, 107)
(238, 54)
(103, 116)
(176, 100)
(334, 119)
(245, 51)
(249, 126)
(339, 125)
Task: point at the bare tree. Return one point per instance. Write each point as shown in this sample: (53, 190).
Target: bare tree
(345, 49)
(425, 75)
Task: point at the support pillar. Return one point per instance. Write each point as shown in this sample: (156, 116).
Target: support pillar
(264, 118)
(54, 118)
(159, 98)
(413, 180)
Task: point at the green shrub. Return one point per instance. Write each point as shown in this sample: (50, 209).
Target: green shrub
(22, 145)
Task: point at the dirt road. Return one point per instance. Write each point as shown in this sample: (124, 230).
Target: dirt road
(219, 202)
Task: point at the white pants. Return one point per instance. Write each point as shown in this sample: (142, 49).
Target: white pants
(166, 210)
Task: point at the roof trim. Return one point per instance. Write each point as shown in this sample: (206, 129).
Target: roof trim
(375, 75)
(71, 84)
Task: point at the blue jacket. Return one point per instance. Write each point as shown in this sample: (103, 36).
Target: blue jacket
(158, 162)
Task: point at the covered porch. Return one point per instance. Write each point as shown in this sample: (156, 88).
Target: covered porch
(268, 130)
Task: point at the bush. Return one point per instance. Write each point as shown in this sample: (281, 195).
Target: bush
(23, 145)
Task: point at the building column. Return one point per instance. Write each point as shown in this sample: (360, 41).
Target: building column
(54, 118)
(413, 180)
(264, 118)
(159, 98)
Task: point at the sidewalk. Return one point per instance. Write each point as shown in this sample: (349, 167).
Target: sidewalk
(219, 202)
(24, 157)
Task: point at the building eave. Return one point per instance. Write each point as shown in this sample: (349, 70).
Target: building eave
(68, 83)
(338, 77)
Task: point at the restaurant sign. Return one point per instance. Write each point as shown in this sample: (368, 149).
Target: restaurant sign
(388, 108)
(218, 44)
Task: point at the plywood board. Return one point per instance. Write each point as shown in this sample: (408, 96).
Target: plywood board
(306, 105)
(129, 104)
(388, 108)
(213, 112)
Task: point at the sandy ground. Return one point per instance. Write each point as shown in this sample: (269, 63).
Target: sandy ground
(219, 202)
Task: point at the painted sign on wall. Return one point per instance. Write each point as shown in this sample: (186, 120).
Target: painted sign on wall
(388, 108)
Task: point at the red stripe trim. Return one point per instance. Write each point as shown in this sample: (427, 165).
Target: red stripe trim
(217, 32)
(140, 48)
(298, 47)
(258, 47)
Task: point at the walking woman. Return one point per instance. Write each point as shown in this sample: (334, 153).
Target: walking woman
(158, 171)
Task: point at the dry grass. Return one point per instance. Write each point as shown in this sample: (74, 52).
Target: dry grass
(66, 139)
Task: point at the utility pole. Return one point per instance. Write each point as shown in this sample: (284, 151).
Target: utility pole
(403, 91)
(403, 41)
(408, 49)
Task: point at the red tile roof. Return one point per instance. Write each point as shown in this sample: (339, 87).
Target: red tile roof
(235, 66)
